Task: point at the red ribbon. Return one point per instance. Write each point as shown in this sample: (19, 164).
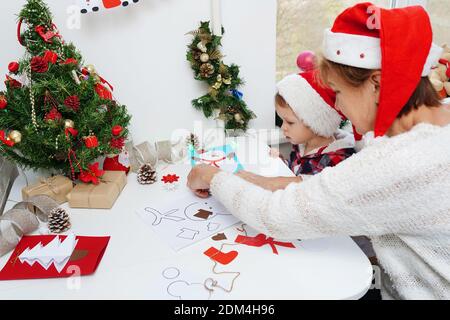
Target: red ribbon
(92, 174)
(261, 240)
(72, 131)
(102, 80)
(9, 143)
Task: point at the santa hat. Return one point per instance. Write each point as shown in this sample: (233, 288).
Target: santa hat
(311, 102)
(397, 41)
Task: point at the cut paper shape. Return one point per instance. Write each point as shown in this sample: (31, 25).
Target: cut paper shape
(184, 290)
(212, 226)
(203, 214)
(188, 234)
(87, 6)
(223, 157)
(221, 257)
(171, 273)
(169, 217)
(161, 216)
(219, 237)
(170, 178)
(54, 256)
(57, 253)
(262, 240)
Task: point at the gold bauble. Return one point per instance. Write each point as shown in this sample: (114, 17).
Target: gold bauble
(15, 136)
(69, 123)
(204, 57)
(96, 79)
(91, 69)
(237, 117)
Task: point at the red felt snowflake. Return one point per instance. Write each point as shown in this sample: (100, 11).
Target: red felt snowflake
(170, 178)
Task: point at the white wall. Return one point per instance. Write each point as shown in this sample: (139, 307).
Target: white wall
(141, 51)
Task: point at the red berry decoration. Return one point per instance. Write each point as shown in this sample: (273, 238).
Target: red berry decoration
(72, 102)
(13, 67)
(91, 142)
(117, 143)
(53, 115)
(50, 57)
(3, 102)
(39, 65)
(116, 130)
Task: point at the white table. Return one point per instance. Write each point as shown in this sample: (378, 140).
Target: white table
(332, 268)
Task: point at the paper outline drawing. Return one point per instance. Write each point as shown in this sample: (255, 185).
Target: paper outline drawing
(216, 226)
(169, 269)
(160, 216)
(185, 230)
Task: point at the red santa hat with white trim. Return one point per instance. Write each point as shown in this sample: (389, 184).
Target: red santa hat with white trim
(397, 41)
(311, 102)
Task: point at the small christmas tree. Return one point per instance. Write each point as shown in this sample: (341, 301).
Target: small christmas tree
(55, 113)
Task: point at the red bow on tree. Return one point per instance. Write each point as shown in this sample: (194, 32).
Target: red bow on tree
(47, 36)
(261, 240)
(12, 83)
(5, 141)
(92, 174)
(70, 61)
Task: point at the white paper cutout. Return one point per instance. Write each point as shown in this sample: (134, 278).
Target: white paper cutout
(56, 252)
(175, 222)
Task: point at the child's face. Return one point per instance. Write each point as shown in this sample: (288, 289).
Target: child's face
(293, 128)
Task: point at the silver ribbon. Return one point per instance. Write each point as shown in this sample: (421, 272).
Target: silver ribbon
(22, 219)
(8, 174)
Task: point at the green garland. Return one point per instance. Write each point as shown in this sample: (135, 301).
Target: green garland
(223, 80)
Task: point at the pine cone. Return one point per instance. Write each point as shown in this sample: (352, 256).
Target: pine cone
(206, 70)
(58, 221)
(39, 65)
(146, 174)
(72, 102)
(192, 139)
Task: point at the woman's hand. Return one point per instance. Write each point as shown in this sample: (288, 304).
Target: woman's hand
(199, 179)
(268, 183)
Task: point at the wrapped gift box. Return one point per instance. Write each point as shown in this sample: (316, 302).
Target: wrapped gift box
(101, 196)
(56, 187)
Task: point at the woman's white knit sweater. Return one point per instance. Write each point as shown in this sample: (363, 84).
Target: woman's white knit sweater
(395, 191)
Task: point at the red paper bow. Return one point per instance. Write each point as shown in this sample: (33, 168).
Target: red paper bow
(261, 240)
(170, 178)
(92, 174)
(9, 143)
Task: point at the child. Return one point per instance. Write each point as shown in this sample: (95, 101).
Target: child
(311, 124)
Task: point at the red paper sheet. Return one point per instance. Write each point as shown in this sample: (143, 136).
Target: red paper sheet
(84, 260)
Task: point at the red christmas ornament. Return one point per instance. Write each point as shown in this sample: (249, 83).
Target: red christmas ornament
(53, 115)
(3, 102)
(13, 67)
(113, 164)
(92, 174)
(12, 83)
(116, 130)
(170, 178)
(5, 141)
(91, 142)
(117, 143)
(72, 102)
(70, 61)
(50, 57)
(39, 65)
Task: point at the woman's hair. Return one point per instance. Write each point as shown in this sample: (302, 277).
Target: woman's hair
(423, 95)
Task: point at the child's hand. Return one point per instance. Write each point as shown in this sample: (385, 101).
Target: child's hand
(275, 153)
